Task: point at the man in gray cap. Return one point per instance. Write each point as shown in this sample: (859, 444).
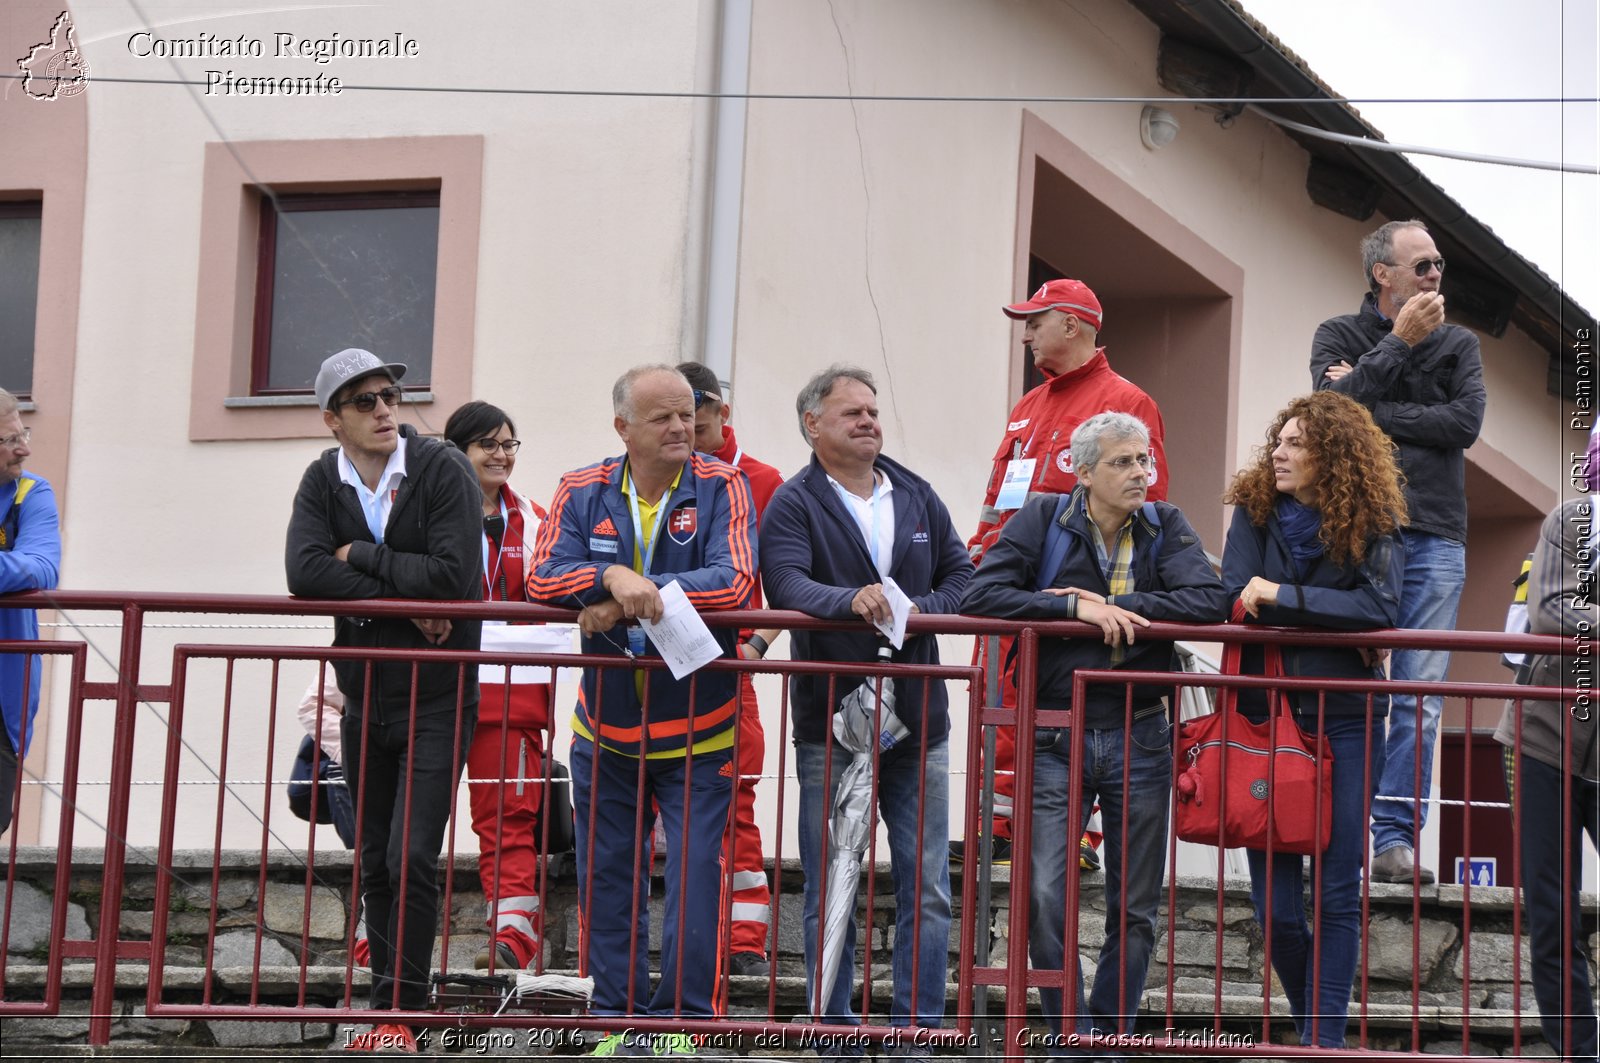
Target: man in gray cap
(390, 514)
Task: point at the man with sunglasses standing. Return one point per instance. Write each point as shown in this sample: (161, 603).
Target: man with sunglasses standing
(1423, 381)
(390, 514)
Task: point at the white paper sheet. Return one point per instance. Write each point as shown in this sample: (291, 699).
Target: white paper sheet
(900, 608)
(500, 637)
(680, 636)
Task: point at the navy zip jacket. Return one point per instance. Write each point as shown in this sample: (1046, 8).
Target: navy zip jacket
(1344, 596)
(1176, 585)
(814, 560)
(1428, 398)
(705, 539)
(431, 548)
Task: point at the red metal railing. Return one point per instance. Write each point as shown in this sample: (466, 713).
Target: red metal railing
(128, 690)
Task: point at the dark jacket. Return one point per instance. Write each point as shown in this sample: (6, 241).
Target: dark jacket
(431, 549)
(1176, 585)
(706, 542)
(814, 559)
(1428, 398)
(1561, 601)
(1345, 596)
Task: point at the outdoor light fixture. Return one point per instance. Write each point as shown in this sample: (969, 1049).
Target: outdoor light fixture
(1157, 127)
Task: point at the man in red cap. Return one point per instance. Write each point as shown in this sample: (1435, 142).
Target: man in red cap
(1061, 323)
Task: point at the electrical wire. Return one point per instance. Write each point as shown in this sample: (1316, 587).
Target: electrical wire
(1370, 144)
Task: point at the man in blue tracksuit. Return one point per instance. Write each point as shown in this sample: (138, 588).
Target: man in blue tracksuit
(30, 560)
(619, 531)
(830, 538)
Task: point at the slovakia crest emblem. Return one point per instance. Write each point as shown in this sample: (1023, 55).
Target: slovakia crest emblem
(681, 524)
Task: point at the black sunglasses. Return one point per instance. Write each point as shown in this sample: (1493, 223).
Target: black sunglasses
(703, 397)
(368, 400)
(1423, 265)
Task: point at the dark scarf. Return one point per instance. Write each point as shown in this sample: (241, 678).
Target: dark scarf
(1301, 525)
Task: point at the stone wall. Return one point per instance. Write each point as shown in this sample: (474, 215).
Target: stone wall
(262, 917)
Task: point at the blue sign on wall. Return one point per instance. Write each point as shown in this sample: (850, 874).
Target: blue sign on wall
(1480, 868)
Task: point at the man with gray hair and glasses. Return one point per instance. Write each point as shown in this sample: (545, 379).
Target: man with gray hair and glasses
(1422, 379)
(30, 560)
(1106, 556)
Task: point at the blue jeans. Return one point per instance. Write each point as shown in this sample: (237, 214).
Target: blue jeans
(1323, 1003)
(1544, 827)
(1436, 570)
(926, 893)
(1133, 815)
(619, 868)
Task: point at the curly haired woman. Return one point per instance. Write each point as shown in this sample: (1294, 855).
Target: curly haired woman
(1314, 543)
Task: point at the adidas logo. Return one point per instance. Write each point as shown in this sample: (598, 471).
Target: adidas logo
(605, 527)
(727, 769)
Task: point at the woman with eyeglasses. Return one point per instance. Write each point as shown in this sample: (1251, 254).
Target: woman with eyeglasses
(507, 755)
(1315, 542)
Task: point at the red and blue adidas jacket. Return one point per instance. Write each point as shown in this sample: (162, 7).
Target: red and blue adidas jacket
(707, 543)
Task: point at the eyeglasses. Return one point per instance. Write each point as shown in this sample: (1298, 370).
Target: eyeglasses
(491, 445)
(1423, 265)
(20, 439)
(703, 397)
(367, 401)
(1128, 461)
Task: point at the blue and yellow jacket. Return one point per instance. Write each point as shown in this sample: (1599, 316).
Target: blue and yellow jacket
(30, 560)
(707, 544)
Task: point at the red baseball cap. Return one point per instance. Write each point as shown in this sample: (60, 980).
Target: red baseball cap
(1068, 296)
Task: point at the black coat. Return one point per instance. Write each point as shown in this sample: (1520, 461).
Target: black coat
(432, 548)
(1176, 585)
(1428, 398)
(814, 560)
(1345, 596)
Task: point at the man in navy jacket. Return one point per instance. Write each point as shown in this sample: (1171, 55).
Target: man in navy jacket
(1118, 563)
(830, 536)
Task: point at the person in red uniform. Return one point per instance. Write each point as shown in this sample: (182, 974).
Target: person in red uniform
(752, 900)
(513, 718)
(1061, 324)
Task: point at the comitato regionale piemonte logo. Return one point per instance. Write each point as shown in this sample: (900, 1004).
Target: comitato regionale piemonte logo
(54, 68)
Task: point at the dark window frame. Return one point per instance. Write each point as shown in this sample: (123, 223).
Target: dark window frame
(266, 264)
(29, 208)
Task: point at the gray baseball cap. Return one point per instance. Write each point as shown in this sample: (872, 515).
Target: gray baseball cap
(352, 363)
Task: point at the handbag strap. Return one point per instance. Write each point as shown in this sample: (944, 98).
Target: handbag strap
(1233, 663)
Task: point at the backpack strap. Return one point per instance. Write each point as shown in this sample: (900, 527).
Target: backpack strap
(1056, 541)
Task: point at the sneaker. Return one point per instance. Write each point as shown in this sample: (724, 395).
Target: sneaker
(673, 1044)
(623, 1044)
(503, 957)
(749, 965)
(389, 1038)
(999, 851)
(1088, 855)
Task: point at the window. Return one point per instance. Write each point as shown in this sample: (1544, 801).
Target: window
(336, 271)
(373, 243)
(20, 230)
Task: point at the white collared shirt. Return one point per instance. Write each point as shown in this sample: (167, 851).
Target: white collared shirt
(377, 504)
(874, 516)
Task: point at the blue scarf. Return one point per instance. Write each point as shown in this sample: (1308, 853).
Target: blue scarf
(1300, 525)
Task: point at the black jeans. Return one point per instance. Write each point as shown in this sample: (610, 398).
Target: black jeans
(1546, 825)
(8, 778)
(378, 783)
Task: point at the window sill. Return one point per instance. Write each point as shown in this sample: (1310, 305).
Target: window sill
(246, 402)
